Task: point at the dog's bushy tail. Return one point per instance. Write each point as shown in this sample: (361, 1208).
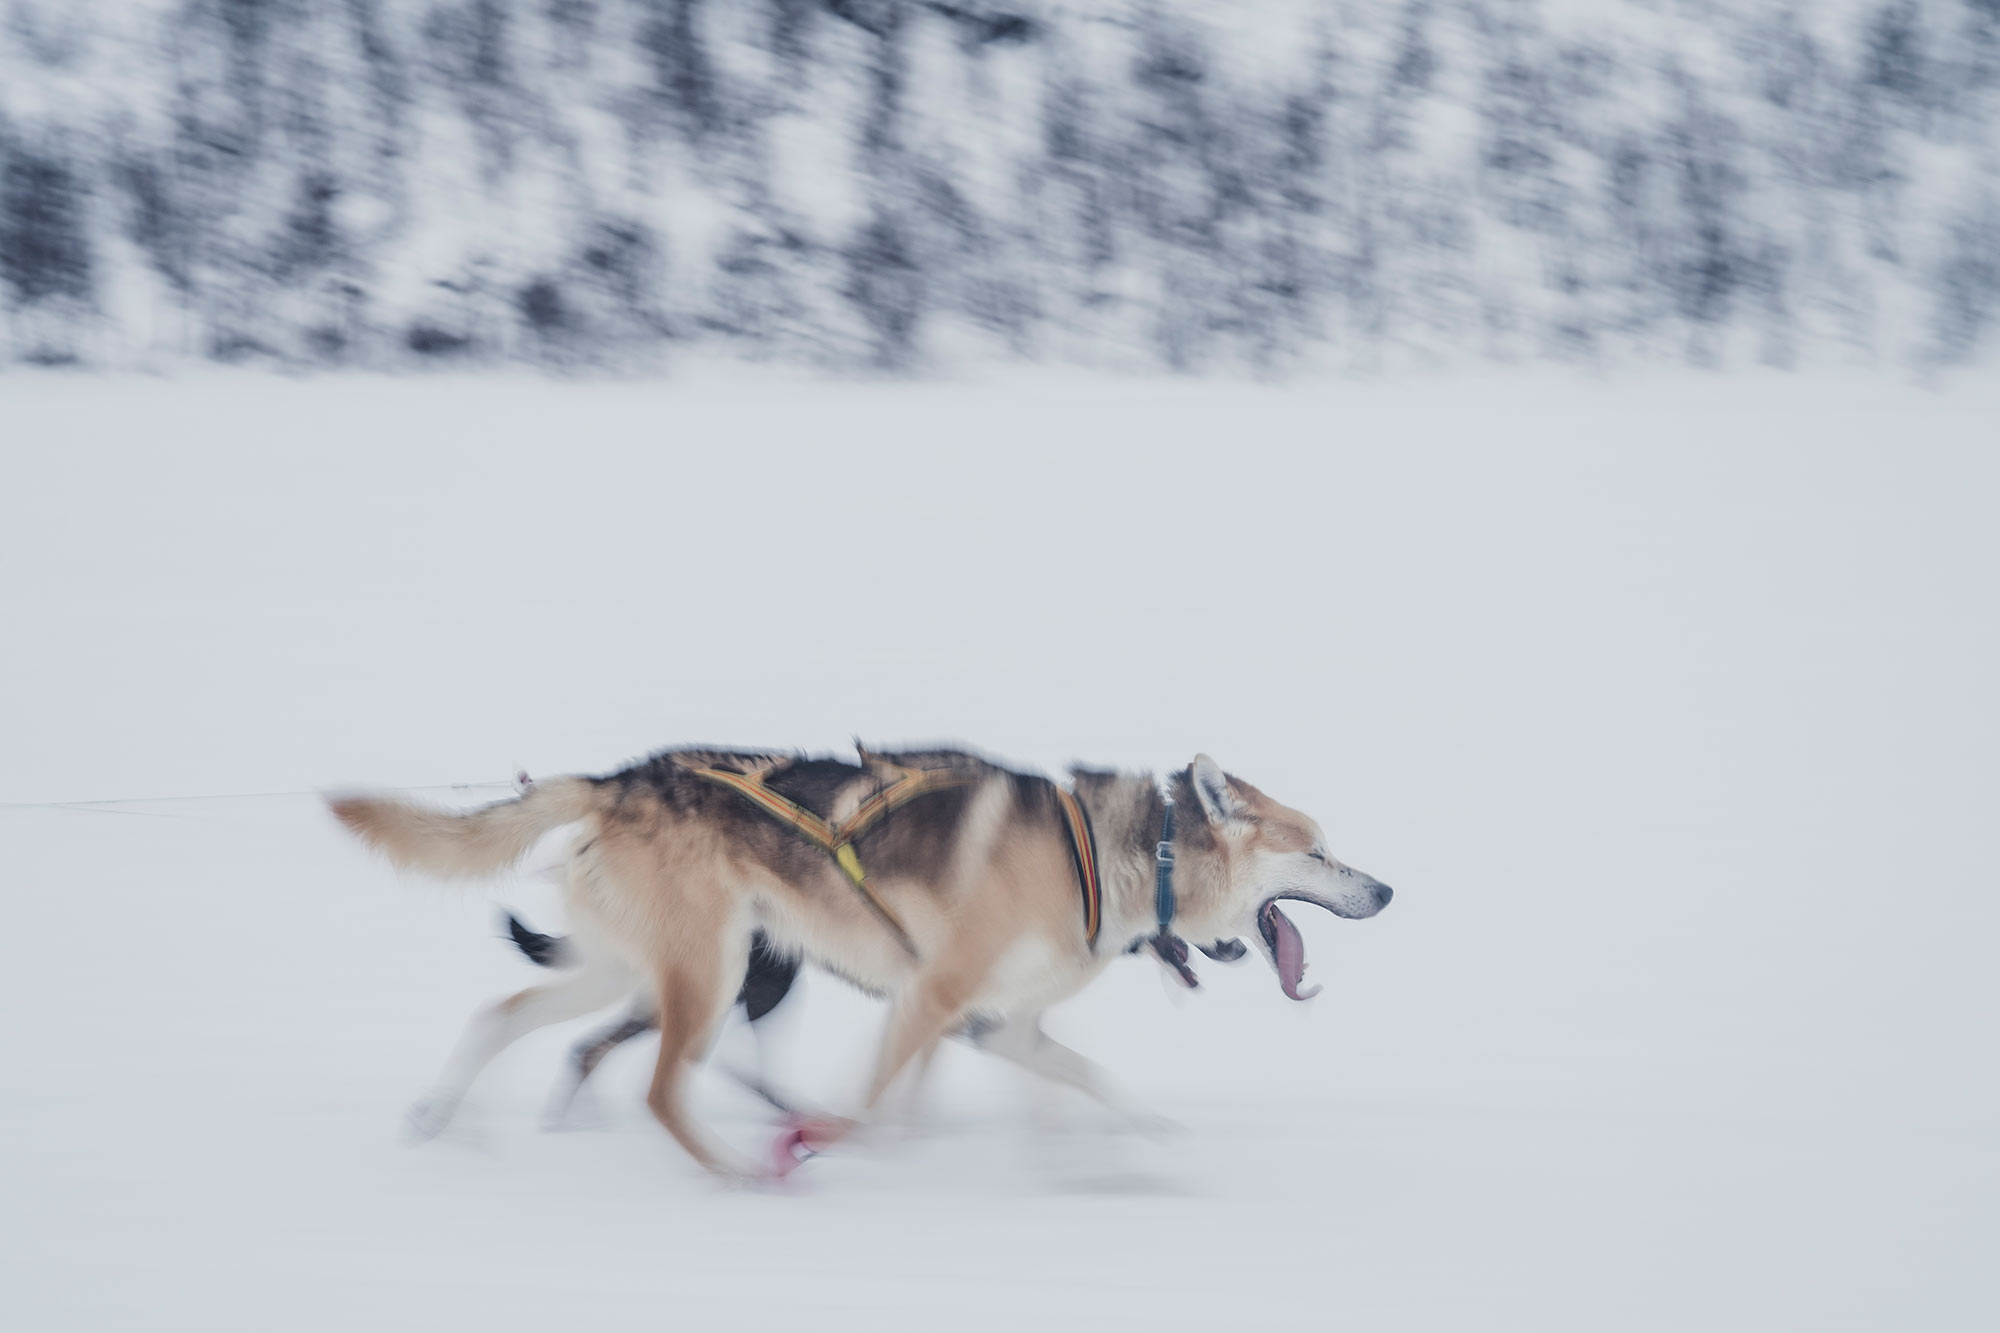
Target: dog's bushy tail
(458, 844)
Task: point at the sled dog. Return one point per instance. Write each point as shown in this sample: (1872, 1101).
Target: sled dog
(962, 905)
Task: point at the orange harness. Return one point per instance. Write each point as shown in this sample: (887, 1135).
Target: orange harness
(838, 839)
(1083, 854)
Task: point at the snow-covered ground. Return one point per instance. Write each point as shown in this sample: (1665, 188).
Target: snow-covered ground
(1667, 706)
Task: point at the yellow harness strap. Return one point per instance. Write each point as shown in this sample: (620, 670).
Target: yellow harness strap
(838, 839)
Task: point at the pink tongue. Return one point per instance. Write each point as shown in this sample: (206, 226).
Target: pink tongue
(1291, 955)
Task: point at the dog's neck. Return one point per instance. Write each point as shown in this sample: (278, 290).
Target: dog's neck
(1126, 811)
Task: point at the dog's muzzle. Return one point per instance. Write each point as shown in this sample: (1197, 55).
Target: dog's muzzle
(1286, 948)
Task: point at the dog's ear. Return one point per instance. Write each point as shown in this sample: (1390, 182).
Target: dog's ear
(1211, 787)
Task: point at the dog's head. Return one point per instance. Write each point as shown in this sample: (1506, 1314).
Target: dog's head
(1267, 852)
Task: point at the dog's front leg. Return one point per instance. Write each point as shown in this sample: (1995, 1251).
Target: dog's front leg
(1020, 1041)
(933, 1005)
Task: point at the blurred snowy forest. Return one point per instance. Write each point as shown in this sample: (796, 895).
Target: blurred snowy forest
(1278, 185)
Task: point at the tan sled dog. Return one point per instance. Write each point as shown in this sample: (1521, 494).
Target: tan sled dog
(975, 920)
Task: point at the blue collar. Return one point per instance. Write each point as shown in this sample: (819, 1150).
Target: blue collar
(1167, 946)
(1163, 871)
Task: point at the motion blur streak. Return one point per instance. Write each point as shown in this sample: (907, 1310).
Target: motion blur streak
(1198, 184)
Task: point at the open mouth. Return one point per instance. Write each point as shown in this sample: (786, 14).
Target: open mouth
(1287, 947)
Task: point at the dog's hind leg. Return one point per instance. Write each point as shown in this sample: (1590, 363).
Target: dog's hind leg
(693, 997)
(584, 1057)
(592, 986)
